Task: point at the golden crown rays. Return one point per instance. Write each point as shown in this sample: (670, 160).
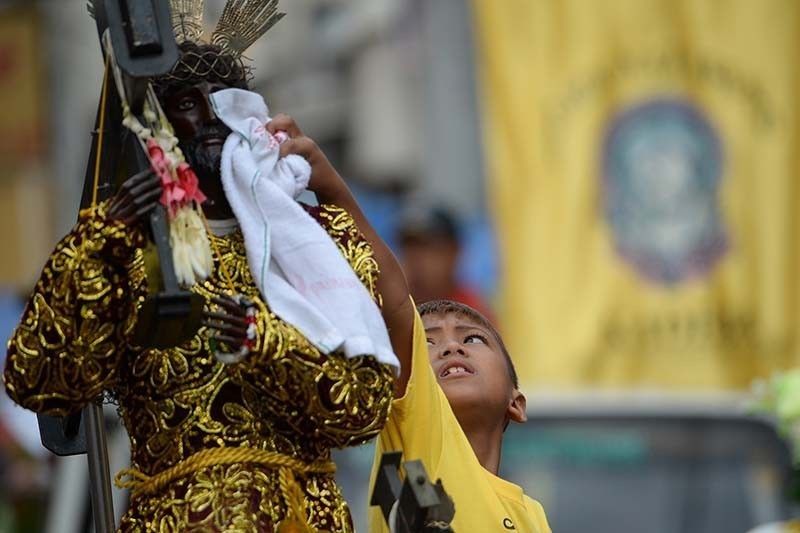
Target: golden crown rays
(187, 19)
(242, 23)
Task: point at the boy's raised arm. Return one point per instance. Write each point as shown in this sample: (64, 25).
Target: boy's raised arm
(330, 188)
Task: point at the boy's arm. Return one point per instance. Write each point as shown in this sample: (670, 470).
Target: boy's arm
(330, 188)
(398, 309)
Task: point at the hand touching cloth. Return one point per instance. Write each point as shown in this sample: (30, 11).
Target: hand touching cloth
(297, 267)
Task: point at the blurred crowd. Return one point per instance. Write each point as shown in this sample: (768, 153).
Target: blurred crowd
(24, 464)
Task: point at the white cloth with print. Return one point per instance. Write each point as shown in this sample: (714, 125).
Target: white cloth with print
(298, 269)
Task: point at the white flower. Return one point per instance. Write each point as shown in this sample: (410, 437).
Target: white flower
(191, 250)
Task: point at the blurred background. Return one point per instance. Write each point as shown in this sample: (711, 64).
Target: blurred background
(614, 183)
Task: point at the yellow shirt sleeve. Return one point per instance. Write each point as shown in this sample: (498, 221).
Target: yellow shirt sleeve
(417, 437)
(422, 425)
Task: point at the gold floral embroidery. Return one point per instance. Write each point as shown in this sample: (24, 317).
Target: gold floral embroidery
(220, 493)
(158, 367)
(286, 397)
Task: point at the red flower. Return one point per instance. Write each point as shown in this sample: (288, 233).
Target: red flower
(158, 161)
(175, 193)
(190, 184)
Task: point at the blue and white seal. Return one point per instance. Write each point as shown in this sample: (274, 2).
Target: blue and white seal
(662, 168)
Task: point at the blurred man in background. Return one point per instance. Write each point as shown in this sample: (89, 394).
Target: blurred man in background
(430, 250)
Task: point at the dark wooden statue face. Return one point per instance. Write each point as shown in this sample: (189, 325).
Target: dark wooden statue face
(190, 112)
(201, 136)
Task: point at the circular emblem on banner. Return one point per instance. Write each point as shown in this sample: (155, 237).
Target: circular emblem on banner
(662, 167)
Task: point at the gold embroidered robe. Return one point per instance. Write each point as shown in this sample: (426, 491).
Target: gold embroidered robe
(73, 343)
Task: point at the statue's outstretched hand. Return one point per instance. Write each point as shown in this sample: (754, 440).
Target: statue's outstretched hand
(136, 197)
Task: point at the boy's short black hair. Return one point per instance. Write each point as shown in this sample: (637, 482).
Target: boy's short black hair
(442, 307)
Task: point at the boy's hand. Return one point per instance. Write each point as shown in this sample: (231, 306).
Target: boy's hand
(325, 181)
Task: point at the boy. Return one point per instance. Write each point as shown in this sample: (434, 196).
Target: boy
(456, 395)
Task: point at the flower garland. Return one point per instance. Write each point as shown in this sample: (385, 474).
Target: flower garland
(181, 195)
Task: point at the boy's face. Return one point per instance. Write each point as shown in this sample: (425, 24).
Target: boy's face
(471, 369)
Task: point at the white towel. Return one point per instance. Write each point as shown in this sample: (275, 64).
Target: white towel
(297, 267)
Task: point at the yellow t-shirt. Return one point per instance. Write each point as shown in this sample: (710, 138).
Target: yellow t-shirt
(422, 425)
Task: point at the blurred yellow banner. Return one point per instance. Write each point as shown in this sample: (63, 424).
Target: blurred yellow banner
(21, 79)
(642, 160)
(25, 192)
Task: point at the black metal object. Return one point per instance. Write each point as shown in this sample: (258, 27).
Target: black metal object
(422, 507)
(99, 470)
(387, 483)
(62, 435)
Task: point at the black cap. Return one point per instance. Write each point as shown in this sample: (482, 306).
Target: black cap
(427, 222)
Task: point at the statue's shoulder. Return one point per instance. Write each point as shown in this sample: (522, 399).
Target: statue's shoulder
(337, 221)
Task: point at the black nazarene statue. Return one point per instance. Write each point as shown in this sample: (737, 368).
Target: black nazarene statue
(232, 429)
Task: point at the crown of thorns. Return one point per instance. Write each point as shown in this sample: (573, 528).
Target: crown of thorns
(203, 62)
(209, 62)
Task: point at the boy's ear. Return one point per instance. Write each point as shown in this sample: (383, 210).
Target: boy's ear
(516, 410)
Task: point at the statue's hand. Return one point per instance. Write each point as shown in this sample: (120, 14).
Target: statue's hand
(229, 326)
(136, 197)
